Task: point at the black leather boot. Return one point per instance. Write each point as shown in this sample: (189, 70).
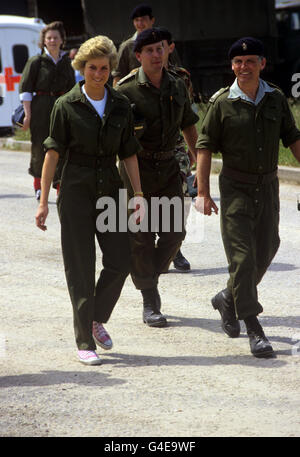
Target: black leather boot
(151, 314)
(223, 302)
(180, 262)
(259, 344)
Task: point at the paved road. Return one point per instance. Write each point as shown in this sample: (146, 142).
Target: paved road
(187, 380)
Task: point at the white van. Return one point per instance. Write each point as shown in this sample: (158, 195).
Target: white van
(19, 37)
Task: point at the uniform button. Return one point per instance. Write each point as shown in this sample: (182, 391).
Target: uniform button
(100, 169)
(100, 180)
(258, 130)
(260, 148)
(256, 201)
(260, 167)
(257, 189)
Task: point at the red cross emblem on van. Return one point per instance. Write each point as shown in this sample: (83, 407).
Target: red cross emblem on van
(8, 79)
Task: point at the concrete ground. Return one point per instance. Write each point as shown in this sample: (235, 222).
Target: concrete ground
(185, 380)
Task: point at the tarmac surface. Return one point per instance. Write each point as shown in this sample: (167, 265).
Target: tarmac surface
(186, 380)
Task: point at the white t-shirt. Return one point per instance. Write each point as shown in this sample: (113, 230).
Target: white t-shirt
(99, 105)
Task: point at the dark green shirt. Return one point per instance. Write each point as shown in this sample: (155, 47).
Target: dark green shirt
(162, 112)
(75, 126)
(247, 135)
(77, 129)
(42, 74)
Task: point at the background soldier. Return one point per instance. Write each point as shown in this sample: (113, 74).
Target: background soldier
(245, 123)
(162, 108)
(142, 18)
(185, 158)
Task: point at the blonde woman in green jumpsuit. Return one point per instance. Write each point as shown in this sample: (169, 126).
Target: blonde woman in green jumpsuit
(90, 126)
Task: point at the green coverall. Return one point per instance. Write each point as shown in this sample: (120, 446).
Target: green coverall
(248, 137)
(90, 145)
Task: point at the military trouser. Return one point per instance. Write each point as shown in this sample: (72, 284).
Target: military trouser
(78, 215)
(150, 258)
(249, 227)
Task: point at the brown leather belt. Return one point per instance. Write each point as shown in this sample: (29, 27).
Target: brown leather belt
(156, 155)
(91, 161)
(248, 178)
(52, 94)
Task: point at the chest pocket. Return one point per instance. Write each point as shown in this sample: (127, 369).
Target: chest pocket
(272, 114)
(115, 127)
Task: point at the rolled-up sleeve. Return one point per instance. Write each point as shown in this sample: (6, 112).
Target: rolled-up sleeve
(130, 144)
(210, 131)
(58, 138)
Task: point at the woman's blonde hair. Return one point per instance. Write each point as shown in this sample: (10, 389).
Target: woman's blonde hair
(99, 46)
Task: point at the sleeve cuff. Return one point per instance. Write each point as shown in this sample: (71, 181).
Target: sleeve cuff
(131, 148)
(51, 143)
(26, 97)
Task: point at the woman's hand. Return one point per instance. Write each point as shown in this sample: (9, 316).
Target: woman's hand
(41, 216)
(26, 123)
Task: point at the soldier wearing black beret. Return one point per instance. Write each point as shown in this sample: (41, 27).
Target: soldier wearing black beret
(142, 19)
(162, 109)
(245, 122)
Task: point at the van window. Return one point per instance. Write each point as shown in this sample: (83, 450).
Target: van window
(20, 56)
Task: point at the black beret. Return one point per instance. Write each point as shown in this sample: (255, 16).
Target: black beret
(165, 34)
(148, 36)
(141, 10)
(246, 46)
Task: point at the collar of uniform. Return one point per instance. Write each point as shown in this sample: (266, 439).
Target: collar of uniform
(143, 80)
(77, 95)
(236, 93)
(47, 54)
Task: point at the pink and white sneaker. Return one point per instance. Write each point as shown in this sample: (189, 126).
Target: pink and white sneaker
(101, 337)
(89, 357)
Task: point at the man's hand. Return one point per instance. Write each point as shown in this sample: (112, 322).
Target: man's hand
(206, 205)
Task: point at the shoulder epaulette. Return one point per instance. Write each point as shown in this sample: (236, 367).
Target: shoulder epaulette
(275, 87)
(214, 97)
(128, 77)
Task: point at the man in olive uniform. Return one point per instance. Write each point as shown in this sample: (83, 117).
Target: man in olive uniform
(161, 108)
(245, 123)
